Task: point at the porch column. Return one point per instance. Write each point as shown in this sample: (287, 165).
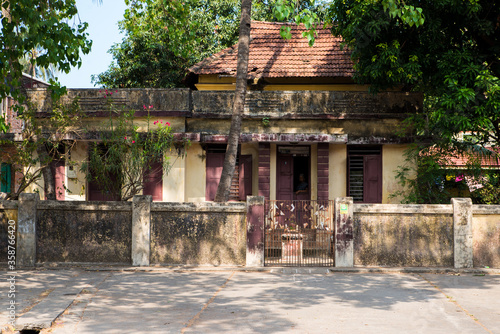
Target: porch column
(462, 230)
(344, 237)
(26, 230)
(255, 231)
(323, 156)
(264, 169)
(141, 230)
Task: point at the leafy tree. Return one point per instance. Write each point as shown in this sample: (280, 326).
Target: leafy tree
(124, 156)
(164, 38)
(453, 56)
(448, 49)
(47, 26)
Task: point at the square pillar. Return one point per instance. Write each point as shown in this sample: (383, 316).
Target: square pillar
(344, 236)
(26, 230)
(264, 170)
(462, 231)
(323, 169)
(255, 231)
(141, 230)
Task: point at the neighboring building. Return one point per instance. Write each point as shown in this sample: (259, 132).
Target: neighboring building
(7, 112)
(304, 115)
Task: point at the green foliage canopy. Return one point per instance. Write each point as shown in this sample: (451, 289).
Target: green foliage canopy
(163, 38)
(450, 50)
(48, 26)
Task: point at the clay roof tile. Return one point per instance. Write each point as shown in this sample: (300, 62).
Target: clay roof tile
(273, 56)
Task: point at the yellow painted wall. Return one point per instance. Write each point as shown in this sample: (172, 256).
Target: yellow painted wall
(337, 171)
(195, 174)
(253, 149)
(392, 158)
(314, 171)
(76, 186)
(174, 179)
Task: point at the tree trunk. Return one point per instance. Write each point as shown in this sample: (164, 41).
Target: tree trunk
(49, 183)
(222, 194)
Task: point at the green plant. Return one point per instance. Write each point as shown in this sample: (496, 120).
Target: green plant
(124, 156)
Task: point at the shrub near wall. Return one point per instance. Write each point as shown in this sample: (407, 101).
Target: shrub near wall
(84, 232)
(403, 235)
(198, 233)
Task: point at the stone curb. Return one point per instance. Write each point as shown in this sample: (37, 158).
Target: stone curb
(283, 270)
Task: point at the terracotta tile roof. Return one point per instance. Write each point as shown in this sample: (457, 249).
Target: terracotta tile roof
(273, 56)
(486, 162)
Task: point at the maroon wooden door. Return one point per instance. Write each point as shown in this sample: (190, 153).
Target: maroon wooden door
(58, 170)
(284, 180)
(96, 191)
(372, 170)
(153, 181)
(214, 161)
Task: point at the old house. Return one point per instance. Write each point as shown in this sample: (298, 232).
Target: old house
(309, 131)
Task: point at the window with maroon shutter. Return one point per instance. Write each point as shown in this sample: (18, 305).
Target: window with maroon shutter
(364, 181)
(241, 185)
(153, 181)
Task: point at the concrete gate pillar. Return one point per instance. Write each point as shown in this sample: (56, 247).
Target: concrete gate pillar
(462, 230)
(344, 237)
(141, 230)
(26, 230)
(255, 231)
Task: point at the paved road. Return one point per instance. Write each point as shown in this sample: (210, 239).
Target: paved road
(235, 301)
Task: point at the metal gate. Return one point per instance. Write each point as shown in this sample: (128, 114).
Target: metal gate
(299, 233)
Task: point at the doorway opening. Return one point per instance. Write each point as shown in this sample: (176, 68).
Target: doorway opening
(293, 174)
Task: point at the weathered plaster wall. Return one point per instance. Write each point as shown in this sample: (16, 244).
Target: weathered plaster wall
(392, 158)
(198, 233)
(93, 100)
(253, 149)
(403, 235)
(176, 123)
(6, 213)
(486, 236)
(195, 174)
(356, 129)
(84, 232)
(174, 180)
(337, 171)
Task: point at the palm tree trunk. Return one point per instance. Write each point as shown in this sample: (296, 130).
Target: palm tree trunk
(49, 184)
(222, 194)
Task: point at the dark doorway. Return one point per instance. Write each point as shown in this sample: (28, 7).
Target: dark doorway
(292, 162)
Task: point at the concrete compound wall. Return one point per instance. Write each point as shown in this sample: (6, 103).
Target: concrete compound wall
(403, 235)
(143, 233)
(198, 233)
(138, 232)
(486, 235)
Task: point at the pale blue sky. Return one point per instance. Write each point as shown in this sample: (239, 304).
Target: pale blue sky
(103, 31)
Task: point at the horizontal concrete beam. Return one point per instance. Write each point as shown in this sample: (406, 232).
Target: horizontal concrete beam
(235, 207)
(84, 206)
(9, 205)
(404, 208)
